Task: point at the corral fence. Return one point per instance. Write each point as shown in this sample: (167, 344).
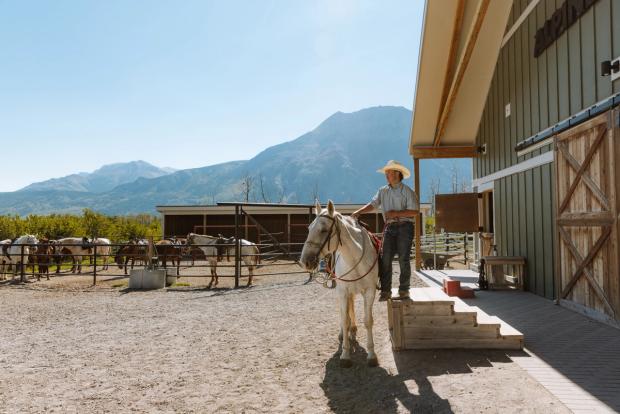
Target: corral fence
(173, 257)
(438, 249)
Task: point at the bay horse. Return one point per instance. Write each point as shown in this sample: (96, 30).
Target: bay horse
(43, 257)
(169, 249)
(132, 251)
(356, 270)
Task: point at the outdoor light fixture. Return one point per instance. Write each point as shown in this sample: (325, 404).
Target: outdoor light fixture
(608, 67)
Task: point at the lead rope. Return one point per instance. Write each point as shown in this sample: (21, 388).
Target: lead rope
(332, 275)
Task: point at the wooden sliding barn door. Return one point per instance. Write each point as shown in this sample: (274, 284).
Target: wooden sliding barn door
(587, 215)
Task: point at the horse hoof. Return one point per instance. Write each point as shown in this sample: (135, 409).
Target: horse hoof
(346, 363)
(373, 362)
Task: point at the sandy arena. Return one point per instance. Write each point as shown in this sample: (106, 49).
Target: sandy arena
(67, 347)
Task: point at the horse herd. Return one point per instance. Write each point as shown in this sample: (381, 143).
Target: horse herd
(28, 251)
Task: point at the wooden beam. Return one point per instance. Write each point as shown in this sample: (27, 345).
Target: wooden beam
(418, 217)
(454, 48)
(444, 152)
(589, 219)
(456, 85)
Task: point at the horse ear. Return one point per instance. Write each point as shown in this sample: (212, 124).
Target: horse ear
(317, 207)
(330, 208)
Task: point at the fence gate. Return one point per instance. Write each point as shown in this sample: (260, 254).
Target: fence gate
(587, 215)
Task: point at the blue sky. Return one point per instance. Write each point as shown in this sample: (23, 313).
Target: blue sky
(189, 83)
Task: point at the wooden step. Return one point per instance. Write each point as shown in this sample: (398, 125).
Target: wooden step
(454, 332)
(440, 320)
(427, 296)
(432, 319)
(463, 343)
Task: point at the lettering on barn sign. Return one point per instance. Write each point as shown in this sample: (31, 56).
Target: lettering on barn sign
(560, 21)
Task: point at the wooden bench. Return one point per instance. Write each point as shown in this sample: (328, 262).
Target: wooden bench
(498, 279)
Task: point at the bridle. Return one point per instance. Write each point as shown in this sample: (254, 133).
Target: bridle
(328, 239)
(327, 242)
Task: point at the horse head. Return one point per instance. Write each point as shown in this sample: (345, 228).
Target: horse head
(321, 234)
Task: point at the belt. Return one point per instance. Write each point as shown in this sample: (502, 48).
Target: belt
(399, 223)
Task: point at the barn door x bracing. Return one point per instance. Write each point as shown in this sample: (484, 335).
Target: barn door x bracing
(587, 215)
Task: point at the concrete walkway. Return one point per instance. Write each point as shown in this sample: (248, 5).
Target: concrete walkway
(575, 358)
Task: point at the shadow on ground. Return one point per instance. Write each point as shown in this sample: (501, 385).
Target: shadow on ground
(361, 389)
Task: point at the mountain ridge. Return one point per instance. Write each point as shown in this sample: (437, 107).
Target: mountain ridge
(337, 160)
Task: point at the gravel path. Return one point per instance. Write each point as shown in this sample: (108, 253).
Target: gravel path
(270, 348)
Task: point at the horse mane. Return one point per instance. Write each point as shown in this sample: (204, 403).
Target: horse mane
(23, 239)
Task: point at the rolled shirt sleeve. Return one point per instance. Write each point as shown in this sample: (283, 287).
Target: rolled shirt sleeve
(376, 200)
(412, 200)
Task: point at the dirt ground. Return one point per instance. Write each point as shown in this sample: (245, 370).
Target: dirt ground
(67, 347)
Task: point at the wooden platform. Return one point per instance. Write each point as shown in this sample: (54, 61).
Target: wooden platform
(431, 319)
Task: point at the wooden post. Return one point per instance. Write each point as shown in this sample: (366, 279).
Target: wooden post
(95, 265)
(22, 276)
(418, 217)
(237, 258)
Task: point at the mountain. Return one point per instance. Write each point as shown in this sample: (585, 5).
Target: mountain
(104, 179)
(337, 160)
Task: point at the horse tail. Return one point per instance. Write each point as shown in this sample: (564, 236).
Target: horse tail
(257, 257)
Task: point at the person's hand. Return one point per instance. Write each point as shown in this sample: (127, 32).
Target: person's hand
(355, 215)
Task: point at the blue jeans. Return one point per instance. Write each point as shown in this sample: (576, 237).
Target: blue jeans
(396, 239)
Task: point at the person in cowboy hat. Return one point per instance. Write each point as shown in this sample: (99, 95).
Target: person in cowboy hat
(399, 206)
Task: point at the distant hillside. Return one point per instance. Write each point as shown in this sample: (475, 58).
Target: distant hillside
(101, 180)
(336, 160)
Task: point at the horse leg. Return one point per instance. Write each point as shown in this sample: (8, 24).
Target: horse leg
(251, 272)
(353, 324)
(369, 298)
(213, 275)
(345, 355)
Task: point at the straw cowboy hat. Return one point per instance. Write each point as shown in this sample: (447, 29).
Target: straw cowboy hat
(395, 165)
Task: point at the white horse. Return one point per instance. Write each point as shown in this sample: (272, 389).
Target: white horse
(104, 249)
(20, 250)
(214, 247)
(250, 254)
(77, 248)
(5, 259)
(356, 271)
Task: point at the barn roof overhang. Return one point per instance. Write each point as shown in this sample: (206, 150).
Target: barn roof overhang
(229, 209)
(461, 40)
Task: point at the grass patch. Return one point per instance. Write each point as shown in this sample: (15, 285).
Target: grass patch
(120, 284)
(179, 284)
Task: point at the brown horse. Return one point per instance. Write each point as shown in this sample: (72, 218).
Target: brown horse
(134, 250)
(43, 257)
(168, 249)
